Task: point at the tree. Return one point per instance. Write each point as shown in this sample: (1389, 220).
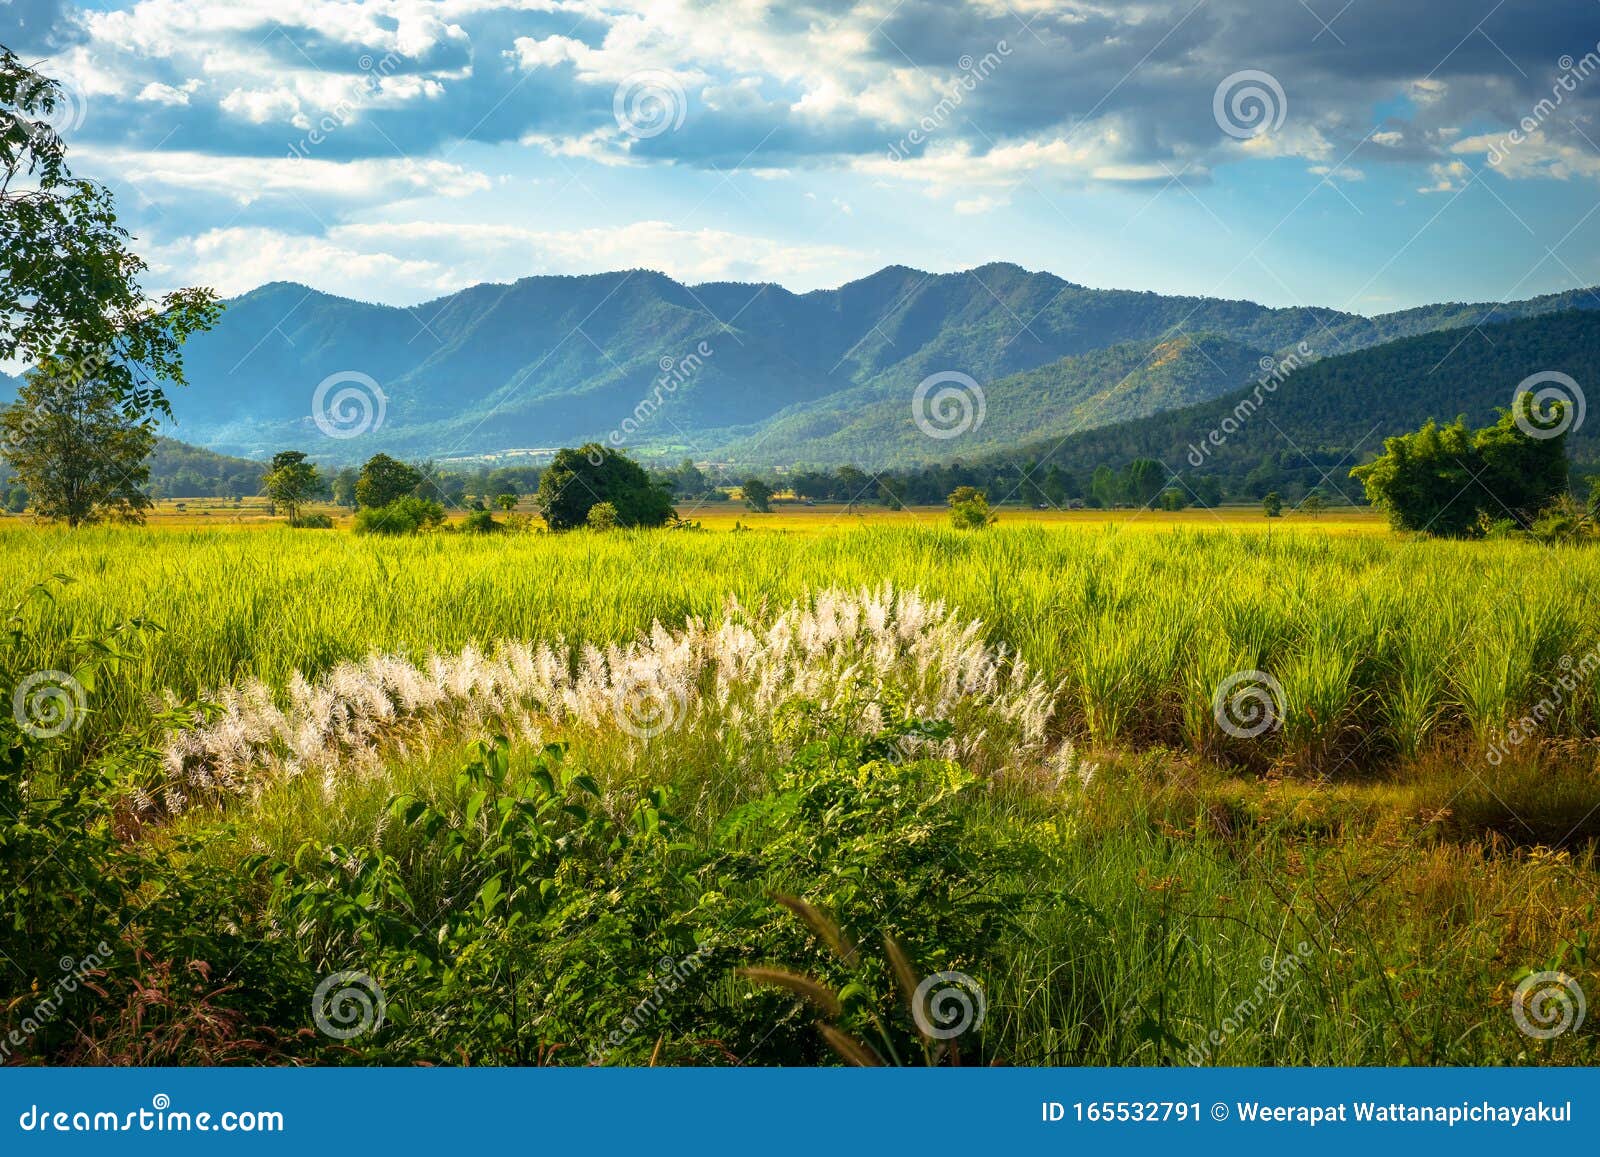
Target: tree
(1313, 504)
(506, 502)
(75, 447)
(70, 297)
(1142, 481)
(602, 516)
(384, 481)
(576, 479)
(17, 499)
(344, 488)
(291, 482)
(1450, 481)
(757, 495)
(1172, 498)
(969, 509)
(1272, 504)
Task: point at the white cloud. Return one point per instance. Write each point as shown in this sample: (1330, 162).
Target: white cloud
(413, 261)
(249, 179)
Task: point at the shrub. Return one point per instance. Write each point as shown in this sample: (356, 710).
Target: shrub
(602, 516)
(577, 479)
(969, 509)
(311, 522)
(404, 516)
(481, 522)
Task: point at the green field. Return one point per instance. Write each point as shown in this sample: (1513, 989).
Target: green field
(1032, 783)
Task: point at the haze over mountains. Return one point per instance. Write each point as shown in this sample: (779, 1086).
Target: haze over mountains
(750, 373)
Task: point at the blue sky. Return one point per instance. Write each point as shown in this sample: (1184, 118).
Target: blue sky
(1353, 155)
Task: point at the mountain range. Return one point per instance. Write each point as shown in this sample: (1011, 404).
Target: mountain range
(746, 373)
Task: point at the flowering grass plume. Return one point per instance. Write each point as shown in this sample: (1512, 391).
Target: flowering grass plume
(721, 679)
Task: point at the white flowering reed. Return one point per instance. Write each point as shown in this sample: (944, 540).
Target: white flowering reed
(730, 677)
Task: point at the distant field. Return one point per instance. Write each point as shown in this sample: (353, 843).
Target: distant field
(204, 512)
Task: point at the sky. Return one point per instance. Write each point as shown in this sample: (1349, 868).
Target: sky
(1366, 155)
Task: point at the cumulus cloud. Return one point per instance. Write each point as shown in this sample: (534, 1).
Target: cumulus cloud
(412, 261)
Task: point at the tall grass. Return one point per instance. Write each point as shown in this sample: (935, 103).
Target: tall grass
(1391, 644)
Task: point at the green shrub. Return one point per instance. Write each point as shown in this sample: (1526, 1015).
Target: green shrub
(602, 516)
(481, 522)
(403, 516)
(312, 522)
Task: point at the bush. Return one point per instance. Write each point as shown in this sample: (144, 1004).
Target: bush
(312, 522)
(481, 522)
(577, 479)
(602, 516)
(969, 509)
(404, 516)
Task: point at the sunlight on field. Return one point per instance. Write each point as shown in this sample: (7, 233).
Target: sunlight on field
(198, 513)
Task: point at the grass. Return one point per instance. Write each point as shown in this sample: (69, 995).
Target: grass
(1386, 845)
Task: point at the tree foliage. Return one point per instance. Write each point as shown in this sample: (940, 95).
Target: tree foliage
(75, 446)
(291, 482)
(578, 479)
(1452, 481)
(384, 481)
(69, 285)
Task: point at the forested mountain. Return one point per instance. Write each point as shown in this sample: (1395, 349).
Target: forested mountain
(1330, 415)
(1080, 392)
(677, 369)
(736, 372)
